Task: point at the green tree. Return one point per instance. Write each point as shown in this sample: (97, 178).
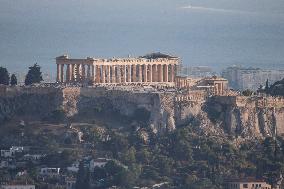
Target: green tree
(34, 75)
(126, 178)
(99, 173)
(83, 177)
(247, 92)
(144, 156)
(4, 76)
(14, 80)
(117, 144)
(267, 86)
(129, 156)
(56, 116)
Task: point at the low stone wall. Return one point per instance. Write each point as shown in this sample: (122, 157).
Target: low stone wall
(253, 101)
(7, 91)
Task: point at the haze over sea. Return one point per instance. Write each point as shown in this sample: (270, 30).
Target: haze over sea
(216, 33)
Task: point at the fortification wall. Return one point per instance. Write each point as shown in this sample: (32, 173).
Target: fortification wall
(8, 92)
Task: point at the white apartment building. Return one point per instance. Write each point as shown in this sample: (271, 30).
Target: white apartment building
(250, 78)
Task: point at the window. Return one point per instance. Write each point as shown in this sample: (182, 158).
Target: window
(245, 185)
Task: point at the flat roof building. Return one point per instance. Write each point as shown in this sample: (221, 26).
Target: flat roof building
(250, 78)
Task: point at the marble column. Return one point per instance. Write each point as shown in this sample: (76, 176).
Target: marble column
(145, 73)
(93, 72)
(62, 73)
(68, 73)
(134, 79)
(58, 77)
(124, 74)
(77, 72)
(98, 74)
(150, 73)
(108, 74)
(113, 74)
(103, 76)
(119, 74)
(129, 73)
(166, 73)
(88, 72)
(155, 73)
(72, 72)
(83, 72)
(160, 73)
(173, 73)
(69, 67)
(140, 74)
(170, 73)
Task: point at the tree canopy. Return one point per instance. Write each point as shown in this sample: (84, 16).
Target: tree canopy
(4, 76)
(14, 80)
(247, 92)
(83, 178)
(34, 75)
(277, 89)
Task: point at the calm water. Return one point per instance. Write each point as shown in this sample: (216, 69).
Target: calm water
(219, 34)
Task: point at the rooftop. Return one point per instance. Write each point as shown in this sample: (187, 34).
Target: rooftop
(156, 55)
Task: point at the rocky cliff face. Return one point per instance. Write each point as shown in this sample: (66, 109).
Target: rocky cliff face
(159, 111)
(155, 109)
(246, 120)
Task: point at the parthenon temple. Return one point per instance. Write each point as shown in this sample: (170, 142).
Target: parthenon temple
(155, 68)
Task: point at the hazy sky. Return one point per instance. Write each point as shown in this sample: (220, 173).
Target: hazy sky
(216, 33)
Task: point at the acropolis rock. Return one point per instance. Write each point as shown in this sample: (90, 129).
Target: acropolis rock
(246, 117)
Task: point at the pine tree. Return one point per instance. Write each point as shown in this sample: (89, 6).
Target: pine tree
(4, 76)
(34, 75)
(14, 80)
(267, 86)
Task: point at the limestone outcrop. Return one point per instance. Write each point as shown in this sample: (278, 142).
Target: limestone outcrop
(247, 117)
(237, 117)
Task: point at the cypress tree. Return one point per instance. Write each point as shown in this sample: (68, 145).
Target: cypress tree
(4, 76)
(13, 80)
(267, 86)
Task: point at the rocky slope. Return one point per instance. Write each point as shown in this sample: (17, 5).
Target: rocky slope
(159, 111)
(246, 119)
(28, 102)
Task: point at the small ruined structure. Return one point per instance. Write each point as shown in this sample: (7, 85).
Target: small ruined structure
(151, 69)
(199, 89)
